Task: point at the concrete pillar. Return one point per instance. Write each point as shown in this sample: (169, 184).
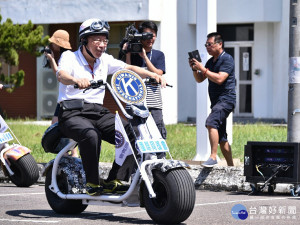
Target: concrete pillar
(206, 20)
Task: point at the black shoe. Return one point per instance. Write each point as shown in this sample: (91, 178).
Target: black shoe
(93, 189)
(114, 186)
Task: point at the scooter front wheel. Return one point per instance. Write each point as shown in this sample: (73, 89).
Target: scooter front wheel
(59, 205)
(26, 171)
(175, 196)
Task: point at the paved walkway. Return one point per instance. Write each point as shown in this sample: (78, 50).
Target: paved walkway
(218, 178)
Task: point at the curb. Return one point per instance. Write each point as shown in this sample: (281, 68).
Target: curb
(218, 178)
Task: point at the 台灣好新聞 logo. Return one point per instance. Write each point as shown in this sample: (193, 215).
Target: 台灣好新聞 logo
(239, 212)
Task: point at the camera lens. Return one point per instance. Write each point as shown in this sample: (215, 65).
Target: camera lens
(136, 47)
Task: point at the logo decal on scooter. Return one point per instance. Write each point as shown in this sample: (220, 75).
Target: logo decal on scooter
(129, 87)
(119, 139)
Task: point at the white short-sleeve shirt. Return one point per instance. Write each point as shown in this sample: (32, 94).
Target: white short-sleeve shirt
(76, 65)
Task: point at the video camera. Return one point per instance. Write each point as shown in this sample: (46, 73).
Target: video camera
(133, 37)
(46, 62)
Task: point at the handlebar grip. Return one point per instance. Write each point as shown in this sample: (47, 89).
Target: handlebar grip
(93, 84)
(153, 81)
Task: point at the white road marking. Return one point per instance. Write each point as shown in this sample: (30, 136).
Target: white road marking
(31, 221)
(22, 194)
(245, 200)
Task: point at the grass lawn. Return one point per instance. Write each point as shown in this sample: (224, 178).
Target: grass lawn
(181, 139)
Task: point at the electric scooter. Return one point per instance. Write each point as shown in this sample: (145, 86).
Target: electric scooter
(165, 187)
(16, 161)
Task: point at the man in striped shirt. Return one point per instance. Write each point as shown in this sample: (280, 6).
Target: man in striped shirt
(154, 61)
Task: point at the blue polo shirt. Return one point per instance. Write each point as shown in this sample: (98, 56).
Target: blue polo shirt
(156, 57)
(226, 91)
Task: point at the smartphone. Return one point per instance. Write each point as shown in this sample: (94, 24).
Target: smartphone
(195, 54)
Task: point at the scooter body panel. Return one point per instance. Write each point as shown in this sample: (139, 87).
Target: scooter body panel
(19, 165)
(15, 152)
(12, 152)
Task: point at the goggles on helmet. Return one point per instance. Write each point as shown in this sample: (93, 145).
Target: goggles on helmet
(99, 25)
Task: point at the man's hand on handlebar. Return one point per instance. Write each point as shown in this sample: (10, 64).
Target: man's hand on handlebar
(92, 85)
(82, 83)
(152, 81)
(161, 80)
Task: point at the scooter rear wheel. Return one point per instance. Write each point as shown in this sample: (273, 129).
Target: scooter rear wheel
(175, 196)
(59, 205)
(26, 171)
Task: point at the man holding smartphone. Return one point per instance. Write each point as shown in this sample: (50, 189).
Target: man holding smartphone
(219, 70)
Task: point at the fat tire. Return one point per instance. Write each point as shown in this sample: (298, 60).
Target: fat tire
(175, 196)
(59, 205)
(26, 171)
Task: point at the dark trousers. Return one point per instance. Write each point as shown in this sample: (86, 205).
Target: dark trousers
(158, 118)
(88, 126)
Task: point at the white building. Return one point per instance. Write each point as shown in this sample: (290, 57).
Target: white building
(256, 33)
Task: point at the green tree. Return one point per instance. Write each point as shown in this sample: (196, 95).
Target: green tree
(14, 39)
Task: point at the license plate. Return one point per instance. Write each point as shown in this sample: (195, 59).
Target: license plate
(5, 137)
(152, 146)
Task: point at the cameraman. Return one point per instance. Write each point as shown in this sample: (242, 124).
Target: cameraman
(154, 61)
(59, 43)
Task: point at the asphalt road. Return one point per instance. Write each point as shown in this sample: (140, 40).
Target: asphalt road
(29, 206)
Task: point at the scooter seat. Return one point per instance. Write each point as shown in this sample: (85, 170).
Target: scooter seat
(53, 140)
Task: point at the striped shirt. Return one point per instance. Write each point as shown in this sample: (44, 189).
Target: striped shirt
(157, 58)
(153, 98)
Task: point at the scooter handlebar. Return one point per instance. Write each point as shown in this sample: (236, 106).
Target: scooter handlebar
(153, 81)
(93, 85)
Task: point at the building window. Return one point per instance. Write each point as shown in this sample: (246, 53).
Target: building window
(237, 32)
(7, 69)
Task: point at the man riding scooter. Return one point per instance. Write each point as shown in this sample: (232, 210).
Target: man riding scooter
(82, 116)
